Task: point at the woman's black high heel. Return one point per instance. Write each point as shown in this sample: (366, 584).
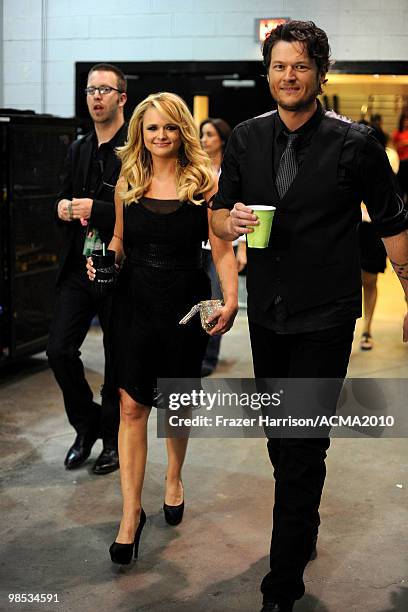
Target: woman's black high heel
(173, 514)
(123, 553)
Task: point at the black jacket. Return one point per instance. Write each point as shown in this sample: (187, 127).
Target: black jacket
(74, 181)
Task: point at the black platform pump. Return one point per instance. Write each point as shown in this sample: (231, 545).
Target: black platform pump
(123, 553)
(173, 514)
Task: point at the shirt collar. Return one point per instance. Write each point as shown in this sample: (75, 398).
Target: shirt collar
(115, 141)
(306, 130)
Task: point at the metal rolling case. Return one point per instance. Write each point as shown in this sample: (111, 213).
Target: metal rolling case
(33, 149)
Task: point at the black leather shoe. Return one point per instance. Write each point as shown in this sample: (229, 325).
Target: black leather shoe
(108, 461)
(274, 606)
(206, 370)
(79, 451)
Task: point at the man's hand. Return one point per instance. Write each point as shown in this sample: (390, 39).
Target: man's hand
(77, 208)
(240, 217)
(64, 210)
(81, 208)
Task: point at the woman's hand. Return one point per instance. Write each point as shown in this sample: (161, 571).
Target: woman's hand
(225, 318)
(90, 270)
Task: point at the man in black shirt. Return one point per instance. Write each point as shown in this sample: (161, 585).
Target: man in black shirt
(85, 213)
(304, 289)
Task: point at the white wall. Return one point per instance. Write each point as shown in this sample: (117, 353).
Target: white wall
(143, 30)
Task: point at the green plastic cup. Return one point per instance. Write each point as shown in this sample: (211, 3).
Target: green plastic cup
(259, 238)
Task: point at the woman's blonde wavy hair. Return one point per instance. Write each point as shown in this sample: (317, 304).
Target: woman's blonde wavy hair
(194, 173)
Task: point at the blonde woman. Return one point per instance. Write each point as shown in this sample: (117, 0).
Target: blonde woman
(162, 217)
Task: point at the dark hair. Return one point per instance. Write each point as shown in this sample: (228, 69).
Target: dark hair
(404, 115)
(222, 127)
(120, 77)
(375, 123)
(306, 33)
(376, 118)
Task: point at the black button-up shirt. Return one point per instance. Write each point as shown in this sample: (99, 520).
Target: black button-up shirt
(99, 158)
(357, 171)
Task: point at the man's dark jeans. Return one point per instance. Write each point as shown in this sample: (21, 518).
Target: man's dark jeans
(299, 466)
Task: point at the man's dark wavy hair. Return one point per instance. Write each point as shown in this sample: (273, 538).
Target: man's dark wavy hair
(306, 33)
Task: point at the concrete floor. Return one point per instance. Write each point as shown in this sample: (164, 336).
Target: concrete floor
(57, 525)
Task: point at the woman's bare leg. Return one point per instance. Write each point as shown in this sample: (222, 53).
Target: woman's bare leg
(132, 460)
(176, 452)
(370, 299)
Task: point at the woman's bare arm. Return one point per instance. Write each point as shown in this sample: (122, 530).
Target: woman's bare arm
(116, 244)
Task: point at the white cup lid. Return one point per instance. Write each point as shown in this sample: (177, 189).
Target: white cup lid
(261, 207)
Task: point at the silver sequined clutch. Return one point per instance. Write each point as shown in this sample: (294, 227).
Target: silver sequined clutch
(206, 309)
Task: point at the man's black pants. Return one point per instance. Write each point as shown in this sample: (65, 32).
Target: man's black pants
(299, 466)
(214, 342)
(75, 307)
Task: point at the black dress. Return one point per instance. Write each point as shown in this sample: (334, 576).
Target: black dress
(161, 279)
